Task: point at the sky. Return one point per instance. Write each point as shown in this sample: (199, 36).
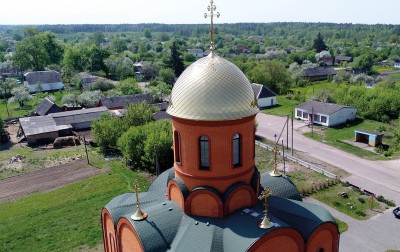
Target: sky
(192, 12)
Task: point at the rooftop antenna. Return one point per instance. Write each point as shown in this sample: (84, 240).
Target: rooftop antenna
(265, 223)
(139, 215)
(211, 8)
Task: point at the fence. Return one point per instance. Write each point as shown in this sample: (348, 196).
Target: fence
(300, 162)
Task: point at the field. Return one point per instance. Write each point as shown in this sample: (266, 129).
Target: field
(66, 218)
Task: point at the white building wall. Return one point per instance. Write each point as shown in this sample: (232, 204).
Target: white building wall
(266, 102)
(341, 116)
(45, 87)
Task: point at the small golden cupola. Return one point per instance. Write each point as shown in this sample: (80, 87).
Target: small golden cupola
(213, 112)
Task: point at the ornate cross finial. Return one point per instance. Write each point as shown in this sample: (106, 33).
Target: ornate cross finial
(211, 8)
(265, 223)
(275, 172)
(139, 215)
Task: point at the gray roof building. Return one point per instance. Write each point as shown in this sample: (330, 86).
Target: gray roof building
(42, 77)
(38, 125)
(46, 106)
(118, 102)
(319, 71)
(262, 91)
(321, 107)
(78, 116)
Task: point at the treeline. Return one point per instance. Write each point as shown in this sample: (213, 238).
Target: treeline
(381, 32)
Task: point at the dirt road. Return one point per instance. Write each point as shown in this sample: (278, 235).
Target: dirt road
(46, 179)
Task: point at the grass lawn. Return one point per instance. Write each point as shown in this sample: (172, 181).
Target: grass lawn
(16, 111)
(66, 218)
(284, 107)
(395, 75)
(356, 205)
(341, 225)
(336, 135)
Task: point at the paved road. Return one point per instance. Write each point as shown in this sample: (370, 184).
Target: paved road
(380, 177)
(46, 179)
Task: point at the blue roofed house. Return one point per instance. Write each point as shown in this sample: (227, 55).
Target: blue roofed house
(327, 114)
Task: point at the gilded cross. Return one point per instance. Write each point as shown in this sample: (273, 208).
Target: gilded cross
(137, 190)
(265, 223)
(211, 8)
(264, 196)
(275, 172)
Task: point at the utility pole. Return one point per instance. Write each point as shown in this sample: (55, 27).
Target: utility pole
(287, 132)
(283, 156)
(292, 130)
(312, 123)
(87, 156)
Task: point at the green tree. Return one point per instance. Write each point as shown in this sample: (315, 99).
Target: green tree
(319, 44)
(147, 33)
(167, 75)
(76, 58)
(97, 56)
(1, 126)
(89, 98)
(20, 95)
(175, 61)
(143, 144)
(139, 114)
(98, 38)
(30, 53)
(38, 50)
(364, 62)
(53, 49)
(102, 85)
(106, 132)
(118, 45)
(272, 75)
(69, 99)
(129, 87)
(159, 90)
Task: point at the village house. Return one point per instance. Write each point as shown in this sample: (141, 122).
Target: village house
(319, 73)
(265, 97)
(397, 64)
(120, 102)
(43, 81)
(197, 52)
(339, 59)
(47, 106)
(327, 114)
(242, 49)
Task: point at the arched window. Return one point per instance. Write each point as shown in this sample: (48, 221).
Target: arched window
(236, 150)
(177, 147)
(204, 153)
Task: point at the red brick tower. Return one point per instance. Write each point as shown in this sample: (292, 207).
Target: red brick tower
(213, 111)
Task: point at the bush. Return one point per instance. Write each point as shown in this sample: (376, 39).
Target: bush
(102, 85)
(382, 199)
(361, 213)
(362, 200)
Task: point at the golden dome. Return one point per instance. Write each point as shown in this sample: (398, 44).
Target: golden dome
(212, 89)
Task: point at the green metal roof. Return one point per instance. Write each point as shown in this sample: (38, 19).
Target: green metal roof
(167, 228)
(281, 186)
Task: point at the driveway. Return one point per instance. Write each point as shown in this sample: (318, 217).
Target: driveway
(380, 177)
